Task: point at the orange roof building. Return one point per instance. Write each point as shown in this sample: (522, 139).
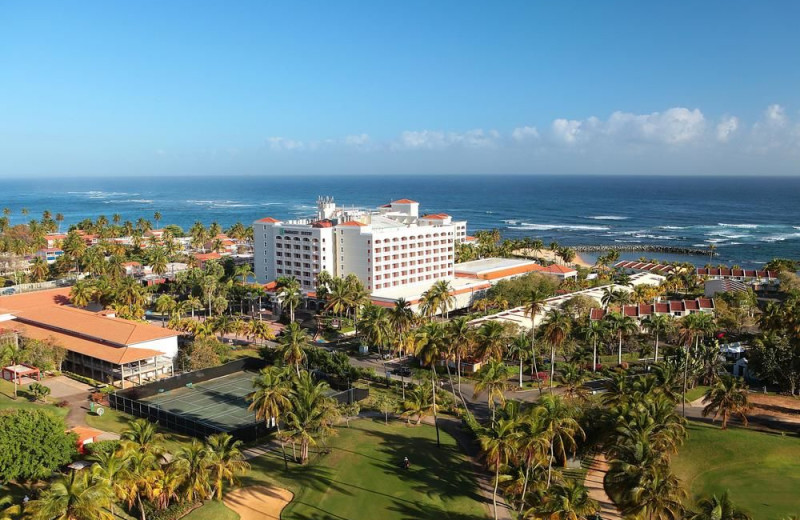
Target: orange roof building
(98, 345)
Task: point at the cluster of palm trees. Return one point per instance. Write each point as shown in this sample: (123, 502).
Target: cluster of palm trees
(293, 399)
(140, 476)
(107, 256)
(525, 447)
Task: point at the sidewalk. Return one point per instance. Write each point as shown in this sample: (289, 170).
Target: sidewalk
(598, 468)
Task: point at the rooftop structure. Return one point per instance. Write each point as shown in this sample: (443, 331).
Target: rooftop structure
(99, 345)
(386, 247)
(676, 308)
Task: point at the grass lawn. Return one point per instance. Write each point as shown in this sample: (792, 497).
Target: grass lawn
(361, 477)
(24, 400)
(116, 421)
(761, 471)
(212, 510)
(696, 393)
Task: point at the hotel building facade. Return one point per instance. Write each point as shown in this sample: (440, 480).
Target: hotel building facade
(390, 246)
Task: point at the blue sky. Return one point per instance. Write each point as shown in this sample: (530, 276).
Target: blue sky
(200, 87)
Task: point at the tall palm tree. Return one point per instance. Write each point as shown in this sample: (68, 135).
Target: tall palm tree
(289, 294)
(292, 345)
(431, 340)
(561, 428)
(76, 496)
(621, 326)
(225, 461)
(375, 326)
(493, 379)
(112, 468)
(499, 445)
(519, 349)
(401, 318)
(657, 325)
(270, 397)
(593, 331)
(461, 339)
(727, 398)
(534, 305)
(312, 413)
(556, 329)
(718, 508)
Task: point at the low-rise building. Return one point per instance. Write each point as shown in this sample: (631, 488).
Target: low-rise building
(98, 345)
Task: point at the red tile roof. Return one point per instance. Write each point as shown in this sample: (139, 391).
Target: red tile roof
(438, 216)
(268, 220)
(404, 201)
(322, 224)
(352, 223)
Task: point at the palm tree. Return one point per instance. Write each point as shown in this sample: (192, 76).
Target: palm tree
(76, 496)
(571, 378)
(728, 397)
(461, 339)
(375, 326)
(39, 269)
(192, 461)
(417, 403)
(312, 413)
(718, 508)
(567, 501)
(621, 326)
(225, 460)
(431, 340)
(499, 445)
(289, 294)
(593, 331)
(142, 436)
(560, 428)
(493, 378)
(270, 398)
(658, 497)
(534, 305)
(556, 329)
(657, 324)
(519, 348)
(292, 344)
(492, 340)
(165, 304)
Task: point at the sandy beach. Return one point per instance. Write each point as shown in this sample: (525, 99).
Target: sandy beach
(550, 256)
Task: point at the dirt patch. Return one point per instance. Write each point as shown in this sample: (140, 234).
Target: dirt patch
(779, 406)
(258, 502)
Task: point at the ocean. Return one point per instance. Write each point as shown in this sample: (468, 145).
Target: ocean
(749, 219)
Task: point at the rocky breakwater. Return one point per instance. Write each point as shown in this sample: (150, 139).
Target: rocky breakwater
(643, 248)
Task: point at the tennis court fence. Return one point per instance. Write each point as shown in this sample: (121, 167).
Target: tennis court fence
(131, 401)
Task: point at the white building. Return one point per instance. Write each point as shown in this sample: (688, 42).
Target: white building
(390, 246)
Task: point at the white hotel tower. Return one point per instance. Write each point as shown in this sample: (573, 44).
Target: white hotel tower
(391, 246)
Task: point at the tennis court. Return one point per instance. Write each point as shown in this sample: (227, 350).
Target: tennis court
(219, 402)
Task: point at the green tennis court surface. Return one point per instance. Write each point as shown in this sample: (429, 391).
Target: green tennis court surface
(219, 402)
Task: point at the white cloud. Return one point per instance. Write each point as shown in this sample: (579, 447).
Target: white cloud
(775, 115)
(726, 128)
(438, 140)
(356, 140)
(282, 143)
(524, 133)
(567, 130)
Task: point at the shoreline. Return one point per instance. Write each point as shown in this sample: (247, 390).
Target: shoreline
(550, 256)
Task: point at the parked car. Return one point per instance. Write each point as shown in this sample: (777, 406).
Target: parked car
(403, 371)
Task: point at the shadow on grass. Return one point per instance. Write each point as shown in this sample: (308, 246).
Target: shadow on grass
(408, 511)
(437, 471)
(311, 476)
